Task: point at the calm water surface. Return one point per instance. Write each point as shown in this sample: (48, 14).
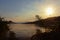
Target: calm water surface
(23, 30)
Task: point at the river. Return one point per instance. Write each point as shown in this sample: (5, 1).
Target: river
(24, 30)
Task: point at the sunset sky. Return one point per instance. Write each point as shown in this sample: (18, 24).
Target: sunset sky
(25, 10)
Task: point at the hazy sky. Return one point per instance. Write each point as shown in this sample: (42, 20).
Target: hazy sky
(25, 10)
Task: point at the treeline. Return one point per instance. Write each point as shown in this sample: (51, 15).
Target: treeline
(5, 31)
(52, 22)
(5, 21)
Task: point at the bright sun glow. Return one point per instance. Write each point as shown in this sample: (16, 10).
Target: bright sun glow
(49, 11)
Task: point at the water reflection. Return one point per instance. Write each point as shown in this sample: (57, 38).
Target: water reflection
(25, 29)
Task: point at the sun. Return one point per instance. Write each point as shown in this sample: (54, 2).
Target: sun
(49, 11)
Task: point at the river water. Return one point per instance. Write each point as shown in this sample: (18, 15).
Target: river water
(24, 30)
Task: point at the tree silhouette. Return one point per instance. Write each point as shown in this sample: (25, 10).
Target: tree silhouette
(39, 22)
(12, 36)
(37, 16)
(37, 35)
(4, 29)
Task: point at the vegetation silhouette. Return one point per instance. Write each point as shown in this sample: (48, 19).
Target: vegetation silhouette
(52, 23)
(12, 36)
(37, 35)
(4, 29)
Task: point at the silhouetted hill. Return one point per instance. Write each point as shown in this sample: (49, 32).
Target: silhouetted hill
(52, 21)
(49, 22)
